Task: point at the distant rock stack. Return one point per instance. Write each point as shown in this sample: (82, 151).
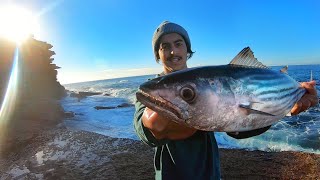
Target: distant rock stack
(38, 92)
(38, 73)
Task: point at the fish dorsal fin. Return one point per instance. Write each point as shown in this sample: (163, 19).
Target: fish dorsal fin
(246, 58)
(284, 70)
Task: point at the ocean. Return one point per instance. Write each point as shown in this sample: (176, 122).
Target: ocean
(295, 133)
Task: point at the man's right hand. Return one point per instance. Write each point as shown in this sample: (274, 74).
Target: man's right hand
(163, 128)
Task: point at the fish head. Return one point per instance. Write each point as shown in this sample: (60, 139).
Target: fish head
(176, 97)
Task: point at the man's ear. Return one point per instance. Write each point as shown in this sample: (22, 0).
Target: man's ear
(157, 57)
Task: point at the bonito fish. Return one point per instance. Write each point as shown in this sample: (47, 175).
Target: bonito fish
(241, 96)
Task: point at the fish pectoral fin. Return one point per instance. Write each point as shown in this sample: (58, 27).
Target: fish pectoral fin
(249, 110)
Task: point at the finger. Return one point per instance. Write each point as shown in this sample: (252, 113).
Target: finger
(296, 108)
(148, 118)
(161, 123)
(312, 98)
(310, 87)
(179, 131)
(305, 104)
(312, 83)
(153, 121)
(158, 135)
(148, 112)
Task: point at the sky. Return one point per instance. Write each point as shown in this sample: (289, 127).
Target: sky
(104, 39)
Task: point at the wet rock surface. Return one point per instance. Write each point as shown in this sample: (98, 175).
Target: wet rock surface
(69, 114)
(67, 154)
(123, 105)
(83, 94)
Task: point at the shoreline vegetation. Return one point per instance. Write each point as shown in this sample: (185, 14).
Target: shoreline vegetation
(61, 153)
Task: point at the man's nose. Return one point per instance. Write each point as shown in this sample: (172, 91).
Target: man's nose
(173, 50)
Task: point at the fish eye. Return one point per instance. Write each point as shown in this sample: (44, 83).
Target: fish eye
(188, 94)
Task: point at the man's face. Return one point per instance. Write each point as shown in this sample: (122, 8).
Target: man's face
(173, 52)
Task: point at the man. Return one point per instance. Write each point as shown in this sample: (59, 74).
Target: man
(183, 152)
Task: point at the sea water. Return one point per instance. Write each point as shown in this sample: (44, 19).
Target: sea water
(295, 133)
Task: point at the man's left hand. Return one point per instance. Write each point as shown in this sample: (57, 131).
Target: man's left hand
(308, 100)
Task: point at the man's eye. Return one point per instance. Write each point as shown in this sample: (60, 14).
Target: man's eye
(178, 44)
(165, 47)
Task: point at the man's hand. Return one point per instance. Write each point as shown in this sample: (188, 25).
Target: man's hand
(308, 100)
(162, 127)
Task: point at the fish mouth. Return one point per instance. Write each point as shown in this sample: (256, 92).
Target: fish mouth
(159, 105)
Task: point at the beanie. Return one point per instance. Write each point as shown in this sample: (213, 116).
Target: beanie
(167, 27)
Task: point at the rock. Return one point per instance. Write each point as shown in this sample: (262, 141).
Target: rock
(69, 114)
(104, 107)
(73, 94)
(60, 153)
(65, 154)
(125, 105)
(82, 94)
(89, 93)
(36, 105)
(114, 107)
(239, 164)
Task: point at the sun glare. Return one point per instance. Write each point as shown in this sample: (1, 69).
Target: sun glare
(17, 24)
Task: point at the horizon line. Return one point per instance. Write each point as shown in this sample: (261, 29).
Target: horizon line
(119, 77)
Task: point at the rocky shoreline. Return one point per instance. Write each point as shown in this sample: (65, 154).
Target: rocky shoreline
(61, 153)
(68, 154)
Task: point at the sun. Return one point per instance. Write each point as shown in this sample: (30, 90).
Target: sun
(17, 23)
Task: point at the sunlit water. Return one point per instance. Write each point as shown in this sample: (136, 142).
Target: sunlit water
(297, 133)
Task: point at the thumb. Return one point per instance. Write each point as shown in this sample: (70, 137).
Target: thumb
(310, 87)
(148, 118)
(155, 121)
(149, 113)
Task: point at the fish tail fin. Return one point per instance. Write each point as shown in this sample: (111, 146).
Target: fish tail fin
(284, 69)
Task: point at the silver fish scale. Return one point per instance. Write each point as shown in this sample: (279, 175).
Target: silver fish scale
(280, 90)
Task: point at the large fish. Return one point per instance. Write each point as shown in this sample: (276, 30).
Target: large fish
(243, 95)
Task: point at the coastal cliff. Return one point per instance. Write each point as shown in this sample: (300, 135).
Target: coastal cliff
(32, 105)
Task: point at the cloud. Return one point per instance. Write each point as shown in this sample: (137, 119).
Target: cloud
(49, 7)
(83, 76)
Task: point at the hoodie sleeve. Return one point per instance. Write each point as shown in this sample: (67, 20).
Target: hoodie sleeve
(143, 133)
